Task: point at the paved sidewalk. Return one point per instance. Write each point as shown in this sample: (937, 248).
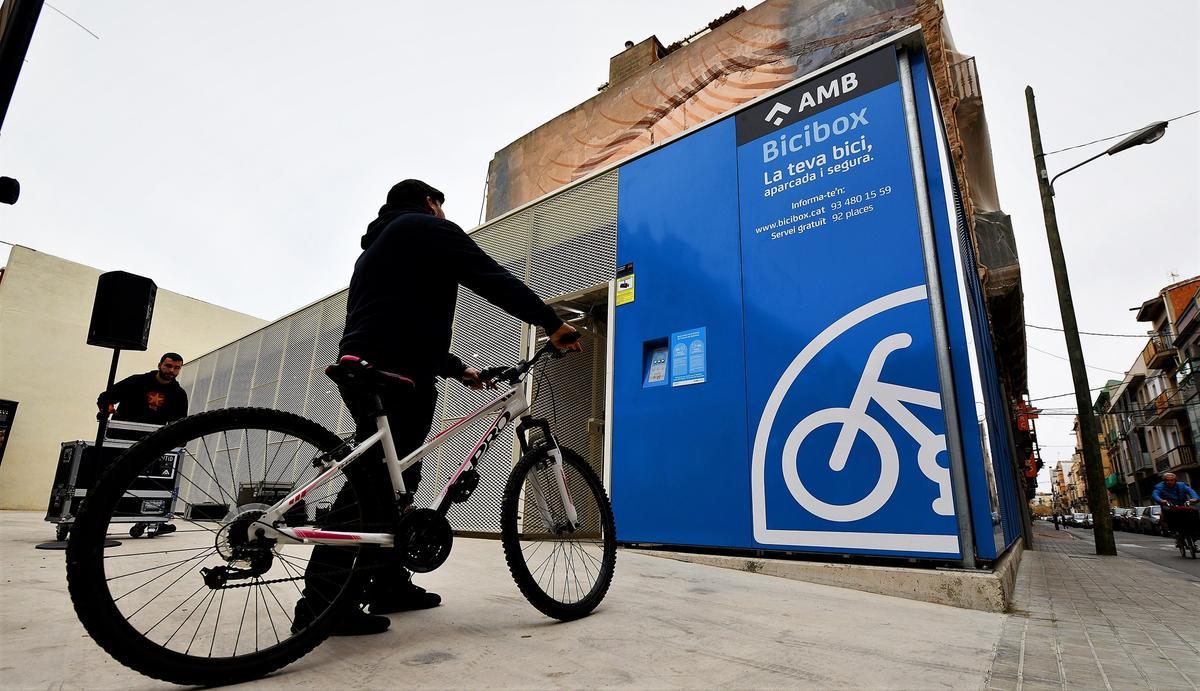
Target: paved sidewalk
(664, 624)
(1083, 621)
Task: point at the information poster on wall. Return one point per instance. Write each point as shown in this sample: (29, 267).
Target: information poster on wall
(849, 438)
(689, 361)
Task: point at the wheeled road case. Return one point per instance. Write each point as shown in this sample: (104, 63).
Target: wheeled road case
(150, 501)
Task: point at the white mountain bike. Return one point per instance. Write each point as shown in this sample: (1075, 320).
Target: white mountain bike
(269, 517)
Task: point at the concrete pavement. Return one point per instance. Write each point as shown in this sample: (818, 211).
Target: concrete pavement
(1080, 621)
(1090, 622)
(665, 623)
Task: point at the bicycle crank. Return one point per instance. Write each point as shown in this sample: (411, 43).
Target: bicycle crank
(424, 538)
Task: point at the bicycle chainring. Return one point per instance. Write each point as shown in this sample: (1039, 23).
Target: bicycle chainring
(424, 538)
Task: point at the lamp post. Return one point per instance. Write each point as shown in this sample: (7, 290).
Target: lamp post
(1097, 496)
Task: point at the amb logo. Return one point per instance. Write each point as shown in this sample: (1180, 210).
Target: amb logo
(810, 98)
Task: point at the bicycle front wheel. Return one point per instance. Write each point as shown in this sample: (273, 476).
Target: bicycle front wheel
(563, 567)
(210, 603)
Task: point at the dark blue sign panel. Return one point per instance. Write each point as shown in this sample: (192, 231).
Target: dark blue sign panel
(846, 424)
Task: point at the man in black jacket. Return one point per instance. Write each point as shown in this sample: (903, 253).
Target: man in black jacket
(154, 397)
(399, 313)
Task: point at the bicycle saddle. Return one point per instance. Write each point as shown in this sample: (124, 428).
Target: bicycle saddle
(352, 370)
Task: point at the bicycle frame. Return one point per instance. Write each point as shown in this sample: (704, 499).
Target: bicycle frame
(508, 406)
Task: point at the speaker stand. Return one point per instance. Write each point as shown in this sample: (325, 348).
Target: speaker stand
(103, 416)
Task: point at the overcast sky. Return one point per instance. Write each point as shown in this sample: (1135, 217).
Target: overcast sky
(235, 151)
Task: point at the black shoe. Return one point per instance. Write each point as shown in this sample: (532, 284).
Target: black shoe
(403, 598)
(164, 529)
(355, 623)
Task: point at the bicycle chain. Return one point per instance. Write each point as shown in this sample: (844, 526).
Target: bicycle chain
(293, 578)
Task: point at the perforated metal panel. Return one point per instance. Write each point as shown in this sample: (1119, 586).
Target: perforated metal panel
(570, 394)
(574, 242)
(562, 245)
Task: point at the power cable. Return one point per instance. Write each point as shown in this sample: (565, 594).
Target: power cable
(1088, 333)
(1097, 141)
(1063, 395)
(1045, 352)
(72, 20)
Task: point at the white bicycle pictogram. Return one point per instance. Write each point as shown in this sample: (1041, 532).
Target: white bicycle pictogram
(854, 419)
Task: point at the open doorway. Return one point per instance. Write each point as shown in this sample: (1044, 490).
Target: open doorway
(573, 393)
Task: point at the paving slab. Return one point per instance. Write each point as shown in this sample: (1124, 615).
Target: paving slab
(664, 624)
(1109, 622)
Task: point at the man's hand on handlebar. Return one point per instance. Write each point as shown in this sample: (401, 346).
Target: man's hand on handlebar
(471, 379)
(566, 338)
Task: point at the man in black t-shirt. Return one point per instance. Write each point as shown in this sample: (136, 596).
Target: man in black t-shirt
(154, 397)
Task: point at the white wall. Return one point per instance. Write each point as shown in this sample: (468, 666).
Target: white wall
(48, 368)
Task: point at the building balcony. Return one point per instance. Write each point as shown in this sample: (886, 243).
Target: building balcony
(1165, 407)
(1175, 458)
(1159, 350)
(964, 79)
(1186, 379)
(1142, 462)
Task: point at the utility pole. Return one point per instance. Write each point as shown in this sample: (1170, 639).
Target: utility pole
(1097, 495)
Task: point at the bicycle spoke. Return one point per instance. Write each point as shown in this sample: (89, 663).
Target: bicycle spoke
(207, 552)
(205, 492)
(216, 625)
(164, 551)
(168, 614)
(241, 622)
(229, 458)
(206, 597)
(281, 607)
(291, 461)
(152, 568)
(250, 457)
(213, 464)
(200, 623)
(278, 448)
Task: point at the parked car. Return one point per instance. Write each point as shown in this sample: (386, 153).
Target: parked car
(1078, 519)
(1120, 518)
(1150, 520)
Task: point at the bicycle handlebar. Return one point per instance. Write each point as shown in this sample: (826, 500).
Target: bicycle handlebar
(513, 374)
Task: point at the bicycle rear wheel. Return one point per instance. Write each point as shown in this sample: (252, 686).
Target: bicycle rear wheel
(158, 608)
(563, 570)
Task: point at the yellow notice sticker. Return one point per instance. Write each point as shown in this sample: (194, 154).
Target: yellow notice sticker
(625, 289)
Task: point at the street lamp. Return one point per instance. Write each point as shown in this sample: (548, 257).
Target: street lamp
(1147, 135)
(1097, 495)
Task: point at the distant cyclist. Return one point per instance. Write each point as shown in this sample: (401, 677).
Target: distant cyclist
(1171, 492)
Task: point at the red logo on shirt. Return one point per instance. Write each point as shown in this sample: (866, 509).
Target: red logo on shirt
(154, 400)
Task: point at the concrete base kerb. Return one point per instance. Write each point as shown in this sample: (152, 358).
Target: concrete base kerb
(987, 591)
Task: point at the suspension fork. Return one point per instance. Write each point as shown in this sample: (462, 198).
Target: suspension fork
(556, 464)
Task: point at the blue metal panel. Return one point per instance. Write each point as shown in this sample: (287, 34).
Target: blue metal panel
(995, 526)
(679, 468)
(843, 393)
(967, 395)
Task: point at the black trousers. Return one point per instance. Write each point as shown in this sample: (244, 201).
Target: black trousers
(410, 415)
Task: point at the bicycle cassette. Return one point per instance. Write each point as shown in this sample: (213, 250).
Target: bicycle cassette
(424, 539)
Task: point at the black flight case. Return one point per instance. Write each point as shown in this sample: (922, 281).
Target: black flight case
(148, 505)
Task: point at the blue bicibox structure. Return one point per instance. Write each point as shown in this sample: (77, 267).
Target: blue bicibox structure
(806, 365)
